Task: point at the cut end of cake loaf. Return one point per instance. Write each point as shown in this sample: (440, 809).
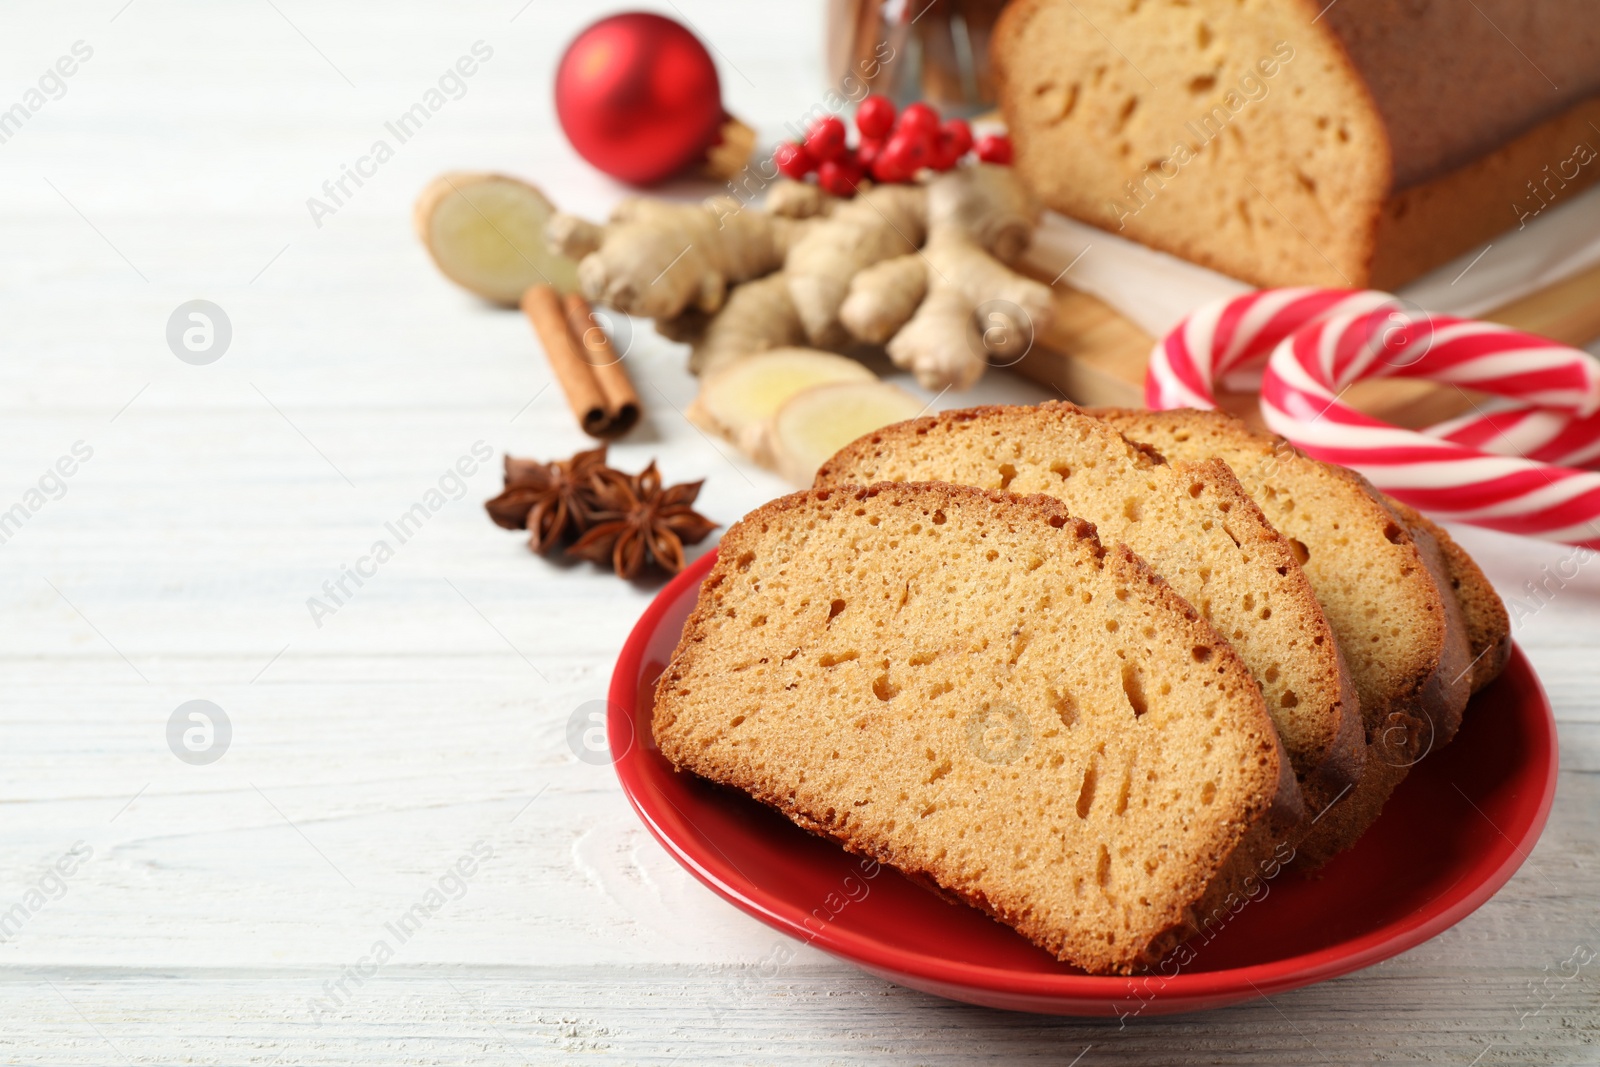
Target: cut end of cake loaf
(1385, 588)
(968, 686)
(1252, 148)
(1192, 522)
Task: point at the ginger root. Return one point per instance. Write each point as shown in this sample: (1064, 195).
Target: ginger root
(757, 316)
(656, 258)
(921, 269)
(789, 409)
(799, 200)
(485, 232)
(941, 344)
(739, 400)
(877, 224)
(815, 423)
(979, 219)
(883, 297)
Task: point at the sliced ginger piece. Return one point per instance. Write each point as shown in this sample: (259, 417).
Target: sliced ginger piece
(739, 400)
(814, 424)
(485, 232)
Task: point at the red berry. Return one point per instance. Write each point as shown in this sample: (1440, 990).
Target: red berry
(793, 161)
(903, 155)
(840, 176)
(995, 148)
(918, 126)
(875, 117)
(867, 152)
(919, 119)
(825, 139)
(890, 165)
(955, 141)
(959, 135)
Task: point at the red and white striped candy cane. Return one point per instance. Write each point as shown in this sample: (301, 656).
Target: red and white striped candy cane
(1509, 467)
(1226, 340)
(1442, 473)
(1513, 430)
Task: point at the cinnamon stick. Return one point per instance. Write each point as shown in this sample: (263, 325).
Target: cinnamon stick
(542, 305)
(621, 399)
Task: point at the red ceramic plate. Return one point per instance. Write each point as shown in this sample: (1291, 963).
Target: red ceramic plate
(1453, 833)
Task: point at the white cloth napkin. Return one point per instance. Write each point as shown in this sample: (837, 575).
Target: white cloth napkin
(1156, 290)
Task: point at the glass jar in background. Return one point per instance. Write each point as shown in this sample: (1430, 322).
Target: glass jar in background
(931, 50)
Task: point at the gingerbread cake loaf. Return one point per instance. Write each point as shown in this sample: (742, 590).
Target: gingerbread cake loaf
(1299, 142)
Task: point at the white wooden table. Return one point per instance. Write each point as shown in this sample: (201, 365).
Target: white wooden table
(228, 912)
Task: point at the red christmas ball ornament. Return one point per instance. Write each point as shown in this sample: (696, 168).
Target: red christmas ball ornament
(638, 96)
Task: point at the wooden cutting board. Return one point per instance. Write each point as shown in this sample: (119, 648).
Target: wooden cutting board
(1093, 356)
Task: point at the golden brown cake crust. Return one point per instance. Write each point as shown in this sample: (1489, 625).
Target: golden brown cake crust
(765, 627)
(1452, 88)
(1425, 225)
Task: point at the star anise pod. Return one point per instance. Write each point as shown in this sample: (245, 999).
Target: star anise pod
(638, 523)
(553, 500)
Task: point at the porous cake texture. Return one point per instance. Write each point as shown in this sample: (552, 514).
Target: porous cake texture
(1192, 522)
(970, 686)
